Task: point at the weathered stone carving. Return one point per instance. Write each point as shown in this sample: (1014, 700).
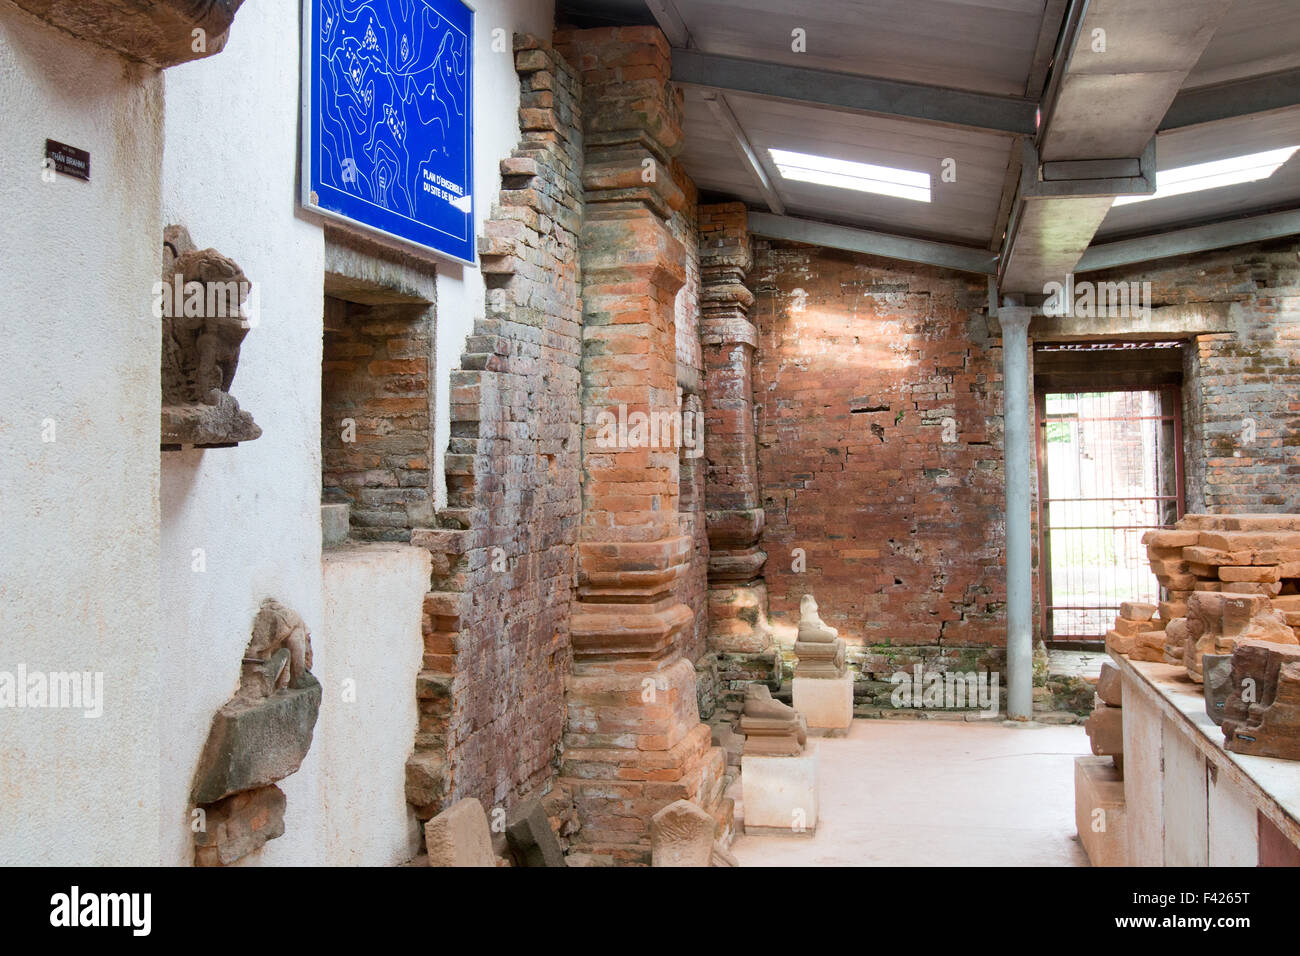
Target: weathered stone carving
(531, 839)
(201, 301)
(771, 728)
(819, 647)
(161, 33)
(681, 834)
(1217, 671)
(1262, 713)
(258, 737)
(1218, 621)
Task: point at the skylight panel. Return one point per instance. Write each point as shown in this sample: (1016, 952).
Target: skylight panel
(1222, 172)
(844, 174)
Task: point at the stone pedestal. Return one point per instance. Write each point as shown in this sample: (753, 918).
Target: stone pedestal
(780, 793)
(1099, 812)
(827, 704)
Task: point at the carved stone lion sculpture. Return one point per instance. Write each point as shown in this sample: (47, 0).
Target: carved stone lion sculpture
(200, 302)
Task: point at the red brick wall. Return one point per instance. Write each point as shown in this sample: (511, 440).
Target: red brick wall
(859, 362)
(376, 373)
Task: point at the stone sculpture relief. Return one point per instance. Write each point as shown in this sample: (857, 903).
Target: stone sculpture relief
(1262, 713)
(771, 728)
(258, 737)
(1218, 621)
(202, 302)
(819, 647)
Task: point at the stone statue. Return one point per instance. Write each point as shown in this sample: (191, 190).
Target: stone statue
(819, 647)
(771, 728)
(278, 655)
(201, 302)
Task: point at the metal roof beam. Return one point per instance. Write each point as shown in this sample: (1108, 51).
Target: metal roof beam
(1181, 242)
(945, 255)
(849, 92)
(1238, 98)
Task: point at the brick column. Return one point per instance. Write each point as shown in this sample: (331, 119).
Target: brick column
(633, 740)
(738, 629)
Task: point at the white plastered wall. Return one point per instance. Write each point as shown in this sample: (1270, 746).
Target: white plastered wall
(461, 292)
(230, 169)
(79, 535)
(229, 176)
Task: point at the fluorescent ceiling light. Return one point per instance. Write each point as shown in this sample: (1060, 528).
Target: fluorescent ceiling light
(843, 174)
(1223, 172)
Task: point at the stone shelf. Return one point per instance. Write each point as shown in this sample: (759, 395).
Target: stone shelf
(1190, 802)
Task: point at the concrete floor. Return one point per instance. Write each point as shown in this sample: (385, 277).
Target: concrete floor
(936, 793)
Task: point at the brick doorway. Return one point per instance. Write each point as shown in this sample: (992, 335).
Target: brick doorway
(1110, 468)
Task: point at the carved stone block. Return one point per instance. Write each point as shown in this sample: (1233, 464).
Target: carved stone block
(1217, 671)
(1262, 713)
(681, 834)
(161, 33)
(459, 836)
(1217, 621)
(258, 737)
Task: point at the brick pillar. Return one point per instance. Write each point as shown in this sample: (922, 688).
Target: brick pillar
(738, 629)
(633, 740)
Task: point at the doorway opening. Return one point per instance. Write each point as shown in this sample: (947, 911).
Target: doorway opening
(1110, 469)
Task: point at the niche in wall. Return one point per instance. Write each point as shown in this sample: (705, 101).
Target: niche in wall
(377, 388)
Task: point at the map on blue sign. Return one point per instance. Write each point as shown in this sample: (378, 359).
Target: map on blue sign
(390, 118)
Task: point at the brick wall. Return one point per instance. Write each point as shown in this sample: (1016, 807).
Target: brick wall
(1248, 378)
(859, 363)
(375, 374)
(497, 634)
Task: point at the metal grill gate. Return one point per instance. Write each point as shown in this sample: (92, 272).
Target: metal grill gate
(1109, 469)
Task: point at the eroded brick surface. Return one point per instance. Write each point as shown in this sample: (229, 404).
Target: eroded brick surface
(863, 367)
(496, 624)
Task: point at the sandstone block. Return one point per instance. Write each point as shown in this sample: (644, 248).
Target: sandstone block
(1099, 811)
(1105, 730)
(1110, 685)
(780, 793)
(826, 704)
(459, 836)
(681, 834)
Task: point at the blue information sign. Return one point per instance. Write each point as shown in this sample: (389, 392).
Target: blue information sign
(388, 119)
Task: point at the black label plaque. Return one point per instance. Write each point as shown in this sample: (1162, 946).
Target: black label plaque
(68, 159)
